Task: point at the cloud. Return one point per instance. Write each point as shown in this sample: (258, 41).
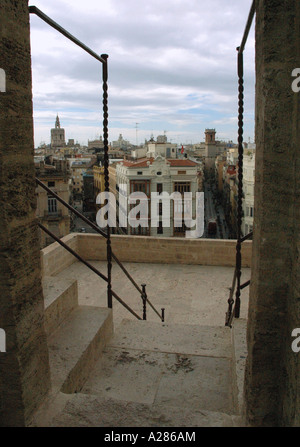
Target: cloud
(172, 65)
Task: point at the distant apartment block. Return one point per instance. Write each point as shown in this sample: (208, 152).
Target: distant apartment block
(50, 212)
(157, 175)
(248, 187)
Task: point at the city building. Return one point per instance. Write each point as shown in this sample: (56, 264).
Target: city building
(78, 166)
(157, 175)
(58, 139)
(95, 145)
(161, 147)
(220, 162)
(99, 185)
(248, 189)
(120, 143)
(50, 212)
(88, 194)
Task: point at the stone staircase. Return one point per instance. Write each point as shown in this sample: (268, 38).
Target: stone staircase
(147, 374)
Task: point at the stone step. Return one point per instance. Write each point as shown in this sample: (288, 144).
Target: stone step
(240, 352)
(212, 341)
(60, 298)
(85, 410)
(76, 345)
(167, 366)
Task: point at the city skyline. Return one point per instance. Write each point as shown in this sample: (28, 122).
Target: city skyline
(172, 69)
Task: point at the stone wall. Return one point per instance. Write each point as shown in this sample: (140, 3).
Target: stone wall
(272, 374)
(55, 258)
(24, 368)
(144, 249)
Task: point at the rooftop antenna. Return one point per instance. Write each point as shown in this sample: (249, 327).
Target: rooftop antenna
(136, 132)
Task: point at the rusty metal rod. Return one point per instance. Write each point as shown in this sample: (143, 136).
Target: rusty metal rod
(125, 305)
(248, 27)
(106, 173)
(71, 208)
(240, 64)
(72, 251)
(245, 238)
(246, 284)
(230, 300)
(237, 272)
(88, 265)
(60, 29)
(97, 229)
(126, 273)
(153, 308)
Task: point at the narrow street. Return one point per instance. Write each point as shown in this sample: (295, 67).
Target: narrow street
(79, 226)
(215, 212)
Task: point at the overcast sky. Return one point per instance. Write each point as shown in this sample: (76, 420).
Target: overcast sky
(172, 67)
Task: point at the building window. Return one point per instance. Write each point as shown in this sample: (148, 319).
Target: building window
(140, 186)
(51, 184)
(140, 173)
(182, 187)
(160, 229)
(52, 205)
(181, 172)
(159, 188)
(180, 208)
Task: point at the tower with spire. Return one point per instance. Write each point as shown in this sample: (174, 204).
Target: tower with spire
(57, 135)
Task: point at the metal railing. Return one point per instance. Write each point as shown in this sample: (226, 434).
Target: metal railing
(109, 254)
(232, 310)
(238, 268)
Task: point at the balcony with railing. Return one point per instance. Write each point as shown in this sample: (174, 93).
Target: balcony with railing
(53, 215)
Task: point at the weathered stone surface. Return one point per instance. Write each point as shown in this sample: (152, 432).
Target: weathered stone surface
(272, 393)
(24, 368)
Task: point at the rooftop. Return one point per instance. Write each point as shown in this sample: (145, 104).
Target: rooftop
(143, 163)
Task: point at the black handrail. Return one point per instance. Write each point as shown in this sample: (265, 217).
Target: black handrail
(103, 59)
(60, 29)
(70, 207)
(248, 26)
(238, 267)
(98, 230)
(90, 266)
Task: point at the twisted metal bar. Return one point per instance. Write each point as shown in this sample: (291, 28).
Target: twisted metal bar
(237, 272)
(240, 185)
(103, 59)
(230, 301)
(106, 172)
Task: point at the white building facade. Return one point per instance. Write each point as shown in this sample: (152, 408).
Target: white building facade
(248, 188)
(158, 175)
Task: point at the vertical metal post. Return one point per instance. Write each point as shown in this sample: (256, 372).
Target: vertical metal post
(163, 314)
(106, 172)
(144, 298)
(240, 186)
